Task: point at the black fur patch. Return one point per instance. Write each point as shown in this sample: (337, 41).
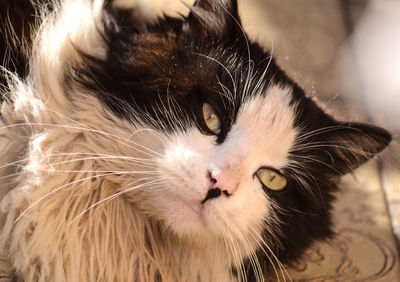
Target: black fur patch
(16, 18)
(169, 68)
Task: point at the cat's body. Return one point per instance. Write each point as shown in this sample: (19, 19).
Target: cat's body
(140, 154)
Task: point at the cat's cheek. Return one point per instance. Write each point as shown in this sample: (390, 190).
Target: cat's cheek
(182, 181)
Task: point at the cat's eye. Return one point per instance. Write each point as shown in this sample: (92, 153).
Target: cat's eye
(271, 179)
(211, 118)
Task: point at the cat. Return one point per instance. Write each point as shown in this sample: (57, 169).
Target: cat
(174, 150)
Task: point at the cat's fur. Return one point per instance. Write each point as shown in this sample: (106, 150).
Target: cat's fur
(106, 160)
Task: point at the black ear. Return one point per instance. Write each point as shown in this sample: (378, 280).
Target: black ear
(213, 18)
(350, 145)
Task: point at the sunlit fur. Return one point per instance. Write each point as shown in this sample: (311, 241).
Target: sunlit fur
(88, 195)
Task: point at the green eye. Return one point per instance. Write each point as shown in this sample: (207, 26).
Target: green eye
(211, 118)
(271, 179)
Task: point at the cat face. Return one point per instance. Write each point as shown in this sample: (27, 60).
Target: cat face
(211, 187)
(242, 152)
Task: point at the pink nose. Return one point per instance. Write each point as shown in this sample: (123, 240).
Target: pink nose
(224, 181)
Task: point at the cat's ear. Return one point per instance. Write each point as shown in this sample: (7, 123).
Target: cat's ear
(213, 18)
(349, 145)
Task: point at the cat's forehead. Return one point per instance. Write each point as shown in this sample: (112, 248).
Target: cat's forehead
(182, 61)
(149, 75)
(265, 124)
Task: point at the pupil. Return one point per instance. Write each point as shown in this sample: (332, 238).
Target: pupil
(272, 176)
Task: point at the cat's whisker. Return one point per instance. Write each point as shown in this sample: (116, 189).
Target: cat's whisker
(130, 160)
(67, 118)
(300, 172)
(318, 131)
(228, 251)
(331, 128)
(303, 170)
(56, 190)
(335, 145)
(175, 110)
(183, 119)
(303, 183)
(304, 145)
(281, 266)
(266, 254)
(116, 172)
(247, 83)
(226, 93)
(236, 260)
(255, 264)
(15, 163)
(222, 65)
(109, 135)
(139, 130)
(116, 195)
(94, 156)
(175, 113)
(249, 73)
(297, 177)
(261, 80)
(171, 115)
(136, 161)
(317, 161)
(145, 118)
(236, 257)
(240, 238)
(327, 142)
(231, 226)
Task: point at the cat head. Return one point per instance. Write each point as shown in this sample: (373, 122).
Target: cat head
(241, 152)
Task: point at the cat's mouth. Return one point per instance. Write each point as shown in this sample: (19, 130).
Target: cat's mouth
(197, 206)
(214, 193)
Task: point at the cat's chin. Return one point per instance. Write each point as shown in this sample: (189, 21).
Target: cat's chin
(200, 221)
(209, 226)
(192, 218)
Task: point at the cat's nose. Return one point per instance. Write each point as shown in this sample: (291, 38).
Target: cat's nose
(223, 180)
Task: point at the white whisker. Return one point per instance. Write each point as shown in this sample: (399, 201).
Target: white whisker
(55, 191)
(109, 198)
(114, 137)
(282, 268)
(222, 65)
